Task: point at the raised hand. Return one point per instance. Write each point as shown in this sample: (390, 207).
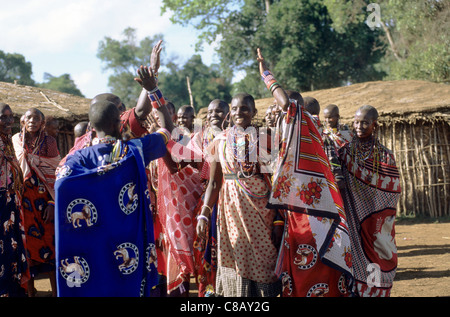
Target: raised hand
(260, 59)
(154, 58)
(146, 78)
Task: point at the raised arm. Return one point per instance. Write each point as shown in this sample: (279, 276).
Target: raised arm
(144, 106)
(274, 87)
(148, 81)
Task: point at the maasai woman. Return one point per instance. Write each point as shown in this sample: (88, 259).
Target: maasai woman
(205, 251)
(102, 197)
(179, 189)
(334, 137)
(371, 195)
(315, 258)
(246, 253)
(14, 269)
(38, 156)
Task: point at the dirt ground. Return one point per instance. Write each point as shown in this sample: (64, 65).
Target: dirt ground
(423, 265)
(423, 260)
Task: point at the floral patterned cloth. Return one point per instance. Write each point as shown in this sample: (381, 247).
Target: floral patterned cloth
(14, 271)
(38, 165)
(304, 184)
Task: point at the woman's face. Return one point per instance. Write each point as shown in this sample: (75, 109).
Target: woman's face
(6, 120)
(185, 119)
(33, 121)
(331, 121)
(216, 115)
(363, 124)
(242, 113)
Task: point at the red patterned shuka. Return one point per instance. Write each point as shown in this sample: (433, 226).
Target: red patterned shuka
(38, 164)
(315, 258)
(371, 196)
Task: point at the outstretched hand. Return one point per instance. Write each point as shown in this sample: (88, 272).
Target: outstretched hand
(260, 59)
(278, 93)
(154, 58)
(146, 78)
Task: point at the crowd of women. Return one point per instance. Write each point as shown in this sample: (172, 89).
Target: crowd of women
(145, 200)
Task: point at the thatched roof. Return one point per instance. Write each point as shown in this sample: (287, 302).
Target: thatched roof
(51, 103)
(408, 99)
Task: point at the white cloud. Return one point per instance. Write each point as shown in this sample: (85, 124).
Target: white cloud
(62, 36)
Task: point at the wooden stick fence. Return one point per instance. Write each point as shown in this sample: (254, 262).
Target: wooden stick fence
(422, 152)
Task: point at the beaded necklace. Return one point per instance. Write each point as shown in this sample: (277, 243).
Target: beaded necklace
(117, 153)
(34, 147)
(361, 152)
(242, 167)
(243, 147)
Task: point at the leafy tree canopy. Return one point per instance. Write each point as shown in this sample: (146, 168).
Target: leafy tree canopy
(313, 44)
(14, 67)
(63, 83)
(123, 57)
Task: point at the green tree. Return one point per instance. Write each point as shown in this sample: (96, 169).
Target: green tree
(206, 83)
(63, 83)
(14, 67)
(418, 35)
(122, 58)
(415, 33)
(297, 39)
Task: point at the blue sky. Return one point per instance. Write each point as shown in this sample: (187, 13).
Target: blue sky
(60, 37)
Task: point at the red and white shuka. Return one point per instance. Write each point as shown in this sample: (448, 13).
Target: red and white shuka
(371, 196)
(315, 257)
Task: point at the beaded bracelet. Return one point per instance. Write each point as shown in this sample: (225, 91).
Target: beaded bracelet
(165, 133)
(270, 81)
(156, 98)
(202, 217)
(207, 207)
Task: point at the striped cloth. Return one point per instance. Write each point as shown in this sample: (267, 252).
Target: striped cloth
(303, 183)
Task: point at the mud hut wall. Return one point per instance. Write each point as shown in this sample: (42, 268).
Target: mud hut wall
(422, 153)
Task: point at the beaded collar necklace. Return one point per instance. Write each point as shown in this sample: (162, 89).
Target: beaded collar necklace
(360, 153)
(242, 146)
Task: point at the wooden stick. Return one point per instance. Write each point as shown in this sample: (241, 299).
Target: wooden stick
(408, 171)
(431, 196)
(190, 92)
(446, 146)
(420, 172)
(53, 102)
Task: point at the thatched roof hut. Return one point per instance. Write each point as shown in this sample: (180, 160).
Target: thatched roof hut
(405, 99)
(415, 124)
(68, 109)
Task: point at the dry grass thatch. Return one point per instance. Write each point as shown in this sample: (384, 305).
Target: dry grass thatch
(51, 103)
(407, 98)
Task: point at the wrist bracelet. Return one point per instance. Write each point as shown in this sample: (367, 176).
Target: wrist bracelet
(156, 98)
(202, 217)
(165, 133)
(51, 202)
(270, 81)
(207, 207)
(278, 223)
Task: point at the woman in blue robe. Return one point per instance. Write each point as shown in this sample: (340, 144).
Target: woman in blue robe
(104, 231)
